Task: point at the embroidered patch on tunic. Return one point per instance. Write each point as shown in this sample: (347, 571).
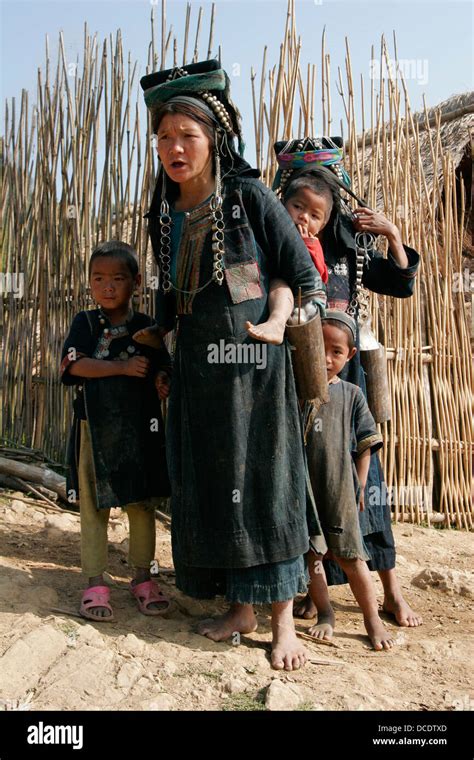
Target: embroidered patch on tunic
(108, 335)
(189, 251)
(243, 281)
(341, 269)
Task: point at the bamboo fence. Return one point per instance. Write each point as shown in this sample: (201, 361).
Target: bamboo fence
(77, 171)
(78, 168)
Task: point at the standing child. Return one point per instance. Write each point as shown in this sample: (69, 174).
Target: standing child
(312, 198)
(340, 441)
(116, 448)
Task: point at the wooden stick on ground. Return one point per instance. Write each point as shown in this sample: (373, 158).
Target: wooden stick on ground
(306, 636)
(163, 516)
(41, 496)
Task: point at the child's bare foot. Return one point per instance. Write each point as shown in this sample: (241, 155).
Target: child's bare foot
(287, 651)
(272, 331)
(324, 628)
(401, 611)
(149, 336)
(240, 618)
(378, 635)
(394, 603)
(304, 608)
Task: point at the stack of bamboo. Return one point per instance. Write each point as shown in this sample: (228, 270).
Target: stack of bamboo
(76, 171)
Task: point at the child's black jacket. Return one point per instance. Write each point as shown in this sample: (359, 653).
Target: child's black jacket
(124, 414)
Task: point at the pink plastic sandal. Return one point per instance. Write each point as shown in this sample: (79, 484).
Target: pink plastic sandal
(147, 593)
(93, 597)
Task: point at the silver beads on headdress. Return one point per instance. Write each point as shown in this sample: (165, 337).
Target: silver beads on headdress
(337, 169)
(285, 176)
(218, 108)
(176, 73)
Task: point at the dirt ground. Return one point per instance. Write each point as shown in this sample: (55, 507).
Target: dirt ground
(52, 660)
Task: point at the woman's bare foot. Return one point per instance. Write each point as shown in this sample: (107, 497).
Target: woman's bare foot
(287, 651)
(380, 638)
(272, 331)
(240, 618)
(304, 608)
(149, 336)
(402, 612)
(324, 628)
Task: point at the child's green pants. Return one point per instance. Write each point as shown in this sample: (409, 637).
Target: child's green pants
(141, 517)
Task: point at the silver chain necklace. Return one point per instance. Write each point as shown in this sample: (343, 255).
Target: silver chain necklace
(217, 227)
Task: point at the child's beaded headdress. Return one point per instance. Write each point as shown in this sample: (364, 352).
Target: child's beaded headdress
(308, 152)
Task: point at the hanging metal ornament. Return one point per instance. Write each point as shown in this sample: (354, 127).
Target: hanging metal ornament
(165, 237)
(217, 227)
(217, 224)
(372, 353)
(165, 251)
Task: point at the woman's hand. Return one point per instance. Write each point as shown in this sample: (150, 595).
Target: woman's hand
(162, 384)
(368, 220)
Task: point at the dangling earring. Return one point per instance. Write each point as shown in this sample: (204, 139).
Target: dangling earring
(217, 223)
(165, 238)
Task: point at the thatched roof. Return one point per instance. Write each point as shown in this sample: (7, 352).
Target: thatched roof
(457, 125)
(456, 132)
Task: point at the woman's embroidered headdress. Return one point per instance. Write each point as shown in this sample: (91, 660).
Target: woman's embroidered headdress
(206, 86)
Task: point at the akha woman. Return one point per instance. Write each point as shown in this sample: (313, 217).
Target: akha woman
(241, 511)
